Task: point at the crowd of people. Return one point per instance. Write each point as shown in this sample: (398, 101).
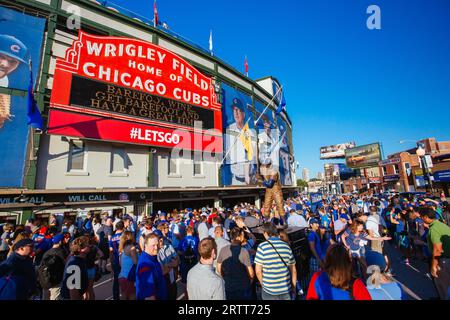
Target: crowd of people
(231, 253)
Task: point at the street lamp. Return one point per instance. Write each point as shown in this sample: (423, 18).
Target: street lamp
(420, 152)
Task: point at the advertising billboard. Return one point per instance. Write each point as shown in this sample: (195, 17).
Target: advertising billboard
(336, 151)
(21, 39)
(240, 167)
(366, 156)
(128, 90)
(13, 141)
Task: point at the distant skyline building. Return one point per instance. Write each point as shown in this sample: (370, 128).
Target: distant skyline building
(305, 174)
(320, 175)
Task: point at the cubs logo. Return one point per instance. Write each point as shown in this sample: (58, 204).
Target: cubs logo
(235, 100)
(15, 48)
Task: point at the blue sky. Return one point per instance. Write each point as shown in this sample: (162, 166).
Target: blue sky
(343, 82)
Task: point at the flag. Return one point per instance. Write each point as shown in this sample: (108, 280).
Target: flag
(246, 66)
(210, 42)
(155, 15)
(282, 105)
(33, 113)
(246, 140)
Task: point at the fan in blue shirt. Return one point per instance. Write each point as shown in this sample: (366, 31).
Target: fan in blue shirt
(150, 282)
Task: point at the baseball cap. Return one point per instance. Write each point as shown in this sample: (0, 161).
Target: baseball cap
(58, 238)
(161, 222)
(23, 243)
(14, 48)
(343, 216)
(158, 233)
(313, 220)
(237, 103)
(375, 258)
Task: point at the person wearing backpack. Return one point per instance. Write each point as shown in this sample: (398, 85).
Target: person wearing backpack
(88, 227)
(275, 266)
(51, 270)
(76, 267)
(17, 275)
(188, 251)
(235, 267)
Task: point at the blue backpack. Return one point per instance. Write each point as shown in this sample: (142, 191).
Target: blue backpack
(8, 288)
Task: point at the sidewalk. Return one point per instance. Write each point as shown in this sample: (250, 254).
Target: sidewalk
(412, 277)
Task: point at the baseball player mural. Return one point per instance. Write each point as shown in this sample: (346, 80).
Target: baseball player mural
(21, 41)
(12, 53)
(240, 139)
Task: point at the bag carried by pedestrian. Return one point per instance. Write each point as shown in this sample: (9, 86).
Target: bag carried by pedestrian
(8, 287)
(189, 256)
(51, 271)
(298, 286)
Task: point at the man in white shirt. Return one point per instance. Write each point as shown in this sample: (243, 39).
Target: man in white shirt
(220, 241)
(296, 220)
(216, 223)
(373, 228)
(203, 228)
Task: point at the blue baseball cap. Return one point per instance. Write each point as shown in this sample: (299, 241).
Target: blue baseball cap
(158, 233)
(14, 48)
(313, 220)
(343, 216)
(237, 103)
(161, 222)
(375, 258)
(163, 214)
(58, 238)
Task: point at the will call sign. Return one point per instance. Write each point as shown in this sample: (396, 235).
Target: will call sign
(132, 80)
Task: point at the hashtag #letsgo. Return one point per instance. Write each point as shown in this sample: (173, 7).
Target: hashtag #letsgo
(154, 136)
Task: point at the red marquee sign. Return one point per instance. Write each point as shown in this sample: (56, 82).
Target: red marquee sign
(128, 81)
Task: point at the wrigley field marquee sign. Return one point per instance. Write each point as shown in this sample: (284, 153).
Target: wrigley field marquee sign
(128, 90)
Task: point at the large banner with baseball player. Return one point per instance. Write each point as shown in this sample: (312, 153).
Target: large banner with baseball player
(13, 141)
(21, 40)
(240, 138)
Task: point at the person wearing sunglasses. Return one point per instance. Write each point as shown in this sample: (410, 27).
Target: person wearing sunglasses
(17, 273)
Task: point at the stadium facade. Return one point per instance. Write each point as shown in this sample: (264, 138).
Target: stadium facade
(116, 95)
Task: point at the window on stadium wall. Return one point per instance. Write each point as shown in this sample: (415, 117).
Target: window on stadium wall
(240, 165)
(126, 90)
(21, 42)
